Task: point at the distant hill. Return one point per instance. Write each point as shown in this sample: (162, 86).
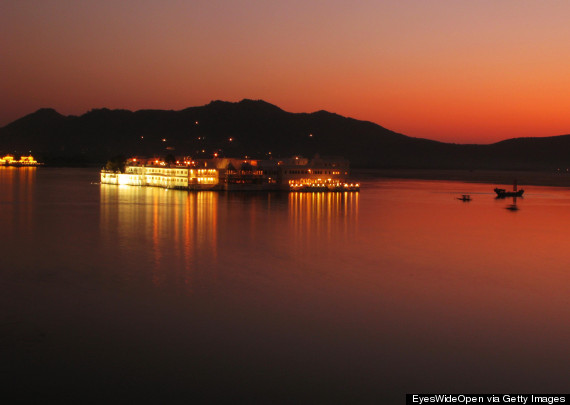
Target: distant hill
(259, 129)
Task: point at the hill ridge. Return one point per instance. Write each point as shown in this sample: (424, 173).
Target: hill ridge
(260, 129)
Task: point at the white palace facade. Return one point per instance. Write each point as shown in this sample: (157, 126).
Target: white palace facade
(292, 174)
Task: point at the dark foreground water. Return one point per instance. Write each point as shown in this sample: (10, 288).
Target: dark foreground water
(111, 293)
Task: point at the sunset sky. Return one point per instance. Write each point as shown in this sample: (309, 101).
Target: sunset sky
(474, 71)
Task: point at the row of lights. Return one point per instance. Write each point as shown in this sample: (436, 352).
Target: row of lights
(203, 137)
(345, 185)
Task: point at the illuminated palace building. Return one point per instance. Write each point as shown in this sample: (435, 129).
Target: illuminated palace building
(9, 160)
(294, 174)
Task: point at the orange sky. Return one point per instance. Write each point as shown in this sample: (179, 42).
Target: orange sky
(456, 71)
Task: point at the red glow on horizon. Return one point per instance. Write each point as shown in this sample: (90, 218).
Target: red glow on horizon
(435, 70)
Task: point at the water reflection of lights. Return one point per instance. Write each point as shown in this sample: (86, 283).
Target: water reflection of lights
(25, 175)
(17, 185)
(318, 216)
(176, 229)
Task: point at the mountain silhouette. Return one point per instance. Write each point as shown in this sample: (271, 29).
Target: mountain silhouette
(259, 129)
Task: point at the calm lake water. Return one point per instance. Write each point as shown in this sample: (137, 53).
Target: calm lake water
(115, 292)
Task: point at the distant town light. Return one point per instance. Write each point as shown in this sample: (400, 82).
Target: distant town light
(163, 139)
(9, 160)
(231, 139)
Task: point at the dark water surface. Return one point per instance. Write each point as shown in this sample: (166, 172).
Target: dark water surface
(112, 292)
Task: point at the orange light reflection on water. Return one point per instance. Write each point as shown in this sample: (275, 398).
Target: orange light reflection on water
(318, 217)
(17, 184)
(171, 227)
(469, 272)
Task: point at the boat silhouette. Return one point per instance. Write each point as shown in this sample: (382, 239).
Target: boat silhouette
(502, 193)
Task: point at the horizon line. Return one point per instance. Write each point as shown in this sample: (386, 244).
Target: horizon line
(276, 106)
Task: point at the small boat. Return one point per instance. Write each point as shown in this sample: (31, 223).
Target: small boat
(464, 197)
(502, 193)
